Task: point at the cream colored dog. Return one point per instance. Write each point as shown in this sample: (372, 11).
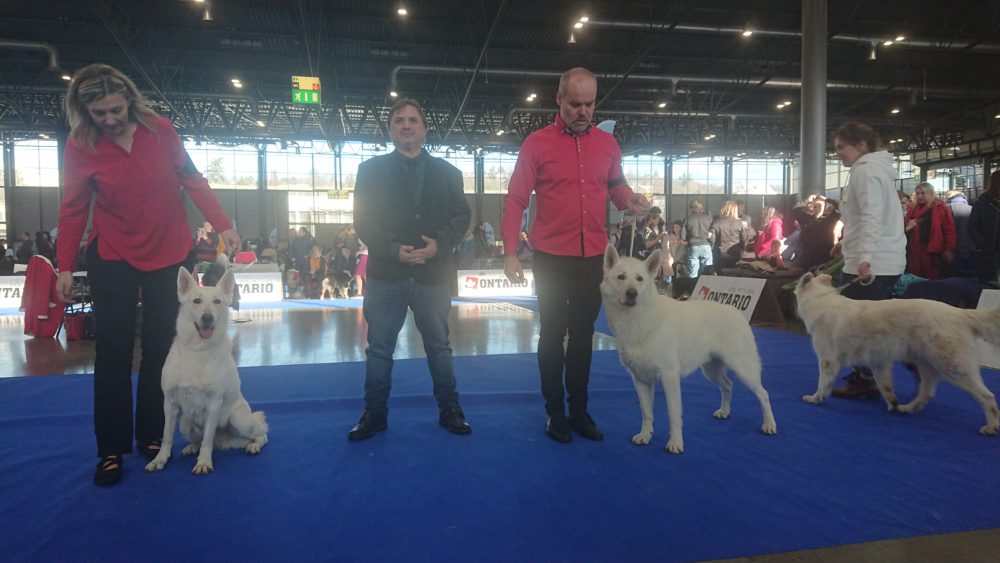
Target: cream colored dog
(200, 384)
(938, 338)
(660, 339)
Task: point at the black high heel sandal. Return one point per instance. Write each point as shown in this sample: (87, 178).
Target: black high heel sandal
(109, 470)
(151, 449)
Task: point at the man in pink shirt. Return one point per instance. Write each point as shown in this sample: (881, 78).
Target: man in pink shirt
(573, 169)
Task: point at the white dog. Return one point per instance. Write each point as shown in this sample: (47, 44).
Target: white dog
(660, 339)
(200, 384)
(938, 338)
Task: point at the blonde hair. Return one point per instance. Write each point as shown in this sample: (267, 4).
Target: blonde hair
(929, 192)
(729, 209)
(93, 82)
(697, 206)
(766, 216)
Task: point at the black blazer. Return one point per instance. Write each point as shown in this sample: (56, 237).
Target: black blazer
(386, 217)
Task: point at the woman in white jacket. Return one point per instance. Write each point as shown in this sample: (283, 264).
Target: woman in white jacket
(873, 243)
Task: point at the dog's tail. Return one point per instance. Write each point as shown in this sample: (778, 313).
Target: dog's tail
(985, 324)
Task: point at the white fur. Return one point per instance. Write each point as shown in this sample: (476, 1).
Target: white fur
(660, 339)
(938, 338)
(200, 384)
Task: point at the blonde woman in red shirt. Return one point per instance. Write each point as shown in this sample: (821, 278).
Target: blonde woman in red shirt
(133, 164)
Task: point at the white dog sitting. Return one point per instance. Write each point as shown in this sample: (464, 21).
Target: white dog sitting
(200, 384)
(938, 338)
(660, 339)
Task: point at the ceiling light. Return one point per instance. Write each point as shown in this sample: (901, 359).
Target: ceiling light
(200, 1)
(260, 123)
(529, 99)
(748, 33)
(661, 105)
(780, 106)
(887, 43)
(500, 132)
(787, 103)
(900, 140)
(709, 137)
(578, 25)
(657, 153)
(67, 77)
(892, 141)
(900, 38)
(997, 116)
(206, 16)
(393, 94)
(572, 38)
(43, 135)
(584, 19)
(894, 111)
(402, 12)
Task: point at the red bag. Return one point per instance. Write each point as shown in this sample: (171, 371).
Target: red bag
(74, 327)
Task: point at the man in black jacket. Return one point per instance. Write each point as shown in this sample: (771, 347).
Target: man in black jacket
(410, 210)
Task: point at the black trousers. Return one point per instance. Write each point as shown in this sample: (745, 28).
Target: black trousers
(116, 288)
(569, 299)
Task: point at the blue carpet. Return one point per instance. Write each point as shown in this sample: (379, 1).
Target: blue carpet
(840, 473)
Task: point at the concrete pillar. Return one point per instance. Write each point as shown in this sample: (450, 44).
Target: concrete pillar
(813, 117)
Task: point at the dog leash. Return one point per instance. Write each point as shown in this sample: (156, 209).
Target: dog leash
(858, 280)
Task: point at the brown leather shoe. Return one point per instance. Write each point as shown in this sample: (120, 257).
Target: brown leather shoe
(858, 387)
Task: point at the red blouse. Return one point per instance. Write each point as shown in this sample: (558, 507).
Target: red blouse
(139, 214)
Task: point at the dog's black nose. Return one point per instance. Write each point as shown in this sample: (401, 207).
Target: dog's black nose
(207, 319)
(632, 293)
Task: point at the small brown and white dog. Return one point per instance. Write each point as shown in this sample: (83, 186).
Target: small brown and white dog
(201, 387)
(938, 338)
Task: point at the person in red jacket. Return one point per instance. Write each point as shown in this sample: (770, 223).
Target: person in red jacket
(931, 235)
(132, 163)
(572, 169)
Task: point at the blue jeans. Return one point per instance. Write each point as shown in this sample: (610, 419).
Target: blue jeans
(699, 256)
(385, 308)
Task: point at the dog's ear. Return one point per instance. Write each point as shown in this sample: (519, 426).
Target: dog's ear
(185, 281)
(610, 257)
(227, 283)
(653, 262)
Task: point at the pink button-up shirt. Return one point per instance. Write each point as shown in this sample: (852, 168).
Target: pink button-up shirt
(572, 177)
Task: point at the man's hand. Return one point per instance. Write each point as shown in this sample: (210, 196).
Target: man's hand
(407, 255)
(64, 286)
(638, 204)
(512, 268)
(231, 239)
(427, 252)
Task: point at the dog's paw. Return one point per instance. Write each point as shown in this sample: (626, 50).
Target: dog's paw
(675, 446)
(721, 414)
(190, 450)
(157, 464)
(770, 428)
(813, 399)
(203, 468)
(642, 438)
(989, 430)
(252, 448)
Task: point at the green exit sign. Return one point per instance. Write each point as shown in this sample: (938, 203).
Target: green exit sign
(306, 90)
(305, 97)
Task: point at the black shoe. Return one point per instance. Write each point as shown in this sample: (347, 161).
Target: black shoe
(109, 470)
(453, 419)
(150, 450)
(367, 427)
(558, 428)
(585, 426)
